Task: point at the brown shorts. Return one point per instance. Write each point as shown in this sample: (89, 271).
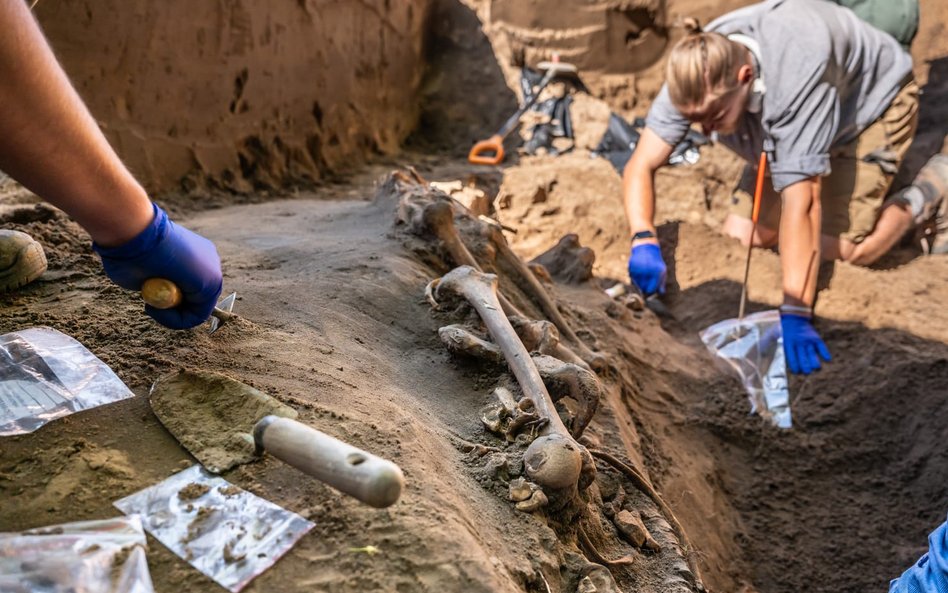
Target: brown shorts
(853, 193)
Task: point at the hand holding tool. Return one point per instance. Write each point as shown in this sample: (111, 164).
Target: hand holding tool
(647, 269)
(164, 249)
(495, 144)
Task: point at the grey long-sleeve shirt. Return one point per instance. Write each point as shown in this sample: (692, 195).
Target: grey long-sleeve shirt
(828, 76)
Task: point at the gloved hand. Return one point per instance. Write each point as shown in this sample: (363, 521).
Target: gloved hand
(802, 346)
(930, 573)
(166, 250)
(647, 268)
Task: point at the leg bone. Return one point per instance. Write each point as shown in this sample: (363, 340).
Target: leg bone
(460, 341)
(554, 459)
(532, 286)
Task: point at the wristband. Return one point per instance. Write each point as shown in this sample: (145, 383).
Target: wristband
(643, 235)
(797, 310)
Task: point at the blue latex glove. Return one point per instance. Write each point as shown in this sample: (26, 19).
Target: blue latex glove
(802, 346)
(930, 573)
(647, 268)
(166, 250)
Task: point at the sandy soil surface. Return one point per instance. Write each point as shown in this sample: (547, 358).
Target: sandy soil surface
(334, 323)
(346, 338)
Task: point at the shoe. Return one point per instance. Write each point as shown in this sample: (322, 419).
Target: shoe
(22, 260)
(927, 200)
(932, 221)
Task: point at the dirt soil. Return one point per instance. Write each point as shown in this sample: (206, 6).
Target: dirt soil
(334, 323)
(244, 95)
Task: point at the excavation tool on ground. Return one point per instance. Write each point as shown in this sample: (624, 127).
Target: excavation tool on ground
(225, 423)
(491, 151)
(161, 293)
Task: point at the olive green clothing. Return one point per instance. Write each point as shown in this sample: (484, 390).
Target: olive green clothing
(898, 18)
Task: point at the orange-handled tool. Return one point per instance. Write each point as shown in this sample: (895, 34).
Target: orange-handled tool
(758, 192)
(491, 151)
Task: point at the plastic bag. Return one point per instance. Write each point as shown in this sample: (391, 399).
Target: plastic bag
(227, 533)
(89, 556)
(754, 348)
(45, 374)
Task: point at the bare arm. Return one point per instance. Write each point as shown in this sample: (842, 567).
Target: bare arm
(638, 182)
(52, 145)
(800, 241)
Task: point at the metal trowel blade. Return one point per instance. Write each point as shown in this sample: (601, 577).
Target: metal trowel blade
(226, 304)
(212, 415)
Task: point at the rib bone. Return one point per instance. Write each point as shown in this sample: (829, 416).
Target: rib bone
(543, 337)
(554, 459)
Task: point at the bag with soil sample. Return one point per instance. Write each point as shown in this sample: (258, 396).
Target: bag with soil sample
(45, 374)
(225, 532)
(106, 555)
(753, 347)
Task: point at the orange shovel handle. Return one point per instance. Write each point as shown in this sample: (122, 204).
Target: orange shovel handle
(494, 144)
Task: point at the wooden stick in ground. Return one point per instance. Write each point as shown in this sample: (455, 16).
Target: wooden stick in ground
(758, 191)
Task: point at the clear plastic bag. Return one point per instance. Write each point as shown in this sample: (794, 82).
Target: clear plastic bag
(225, 532)
(45, 374)
(754, 348)
(85, 557)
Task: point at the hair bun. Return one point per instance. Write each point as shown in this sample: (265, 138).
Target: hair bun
(691, 25)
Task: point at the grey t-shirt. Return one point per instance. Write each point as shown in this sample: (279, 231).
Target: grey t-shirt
(828, 76)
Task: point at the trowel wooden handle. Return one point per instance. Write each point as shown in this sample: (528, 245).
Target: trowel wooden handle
(350, 470)
(161, 293)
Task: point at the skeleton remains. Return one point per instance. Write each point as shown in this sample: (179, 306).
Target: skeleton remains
(557, 470)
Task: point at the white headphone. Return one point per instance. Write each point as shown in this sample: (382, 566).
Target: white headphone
(758, 88)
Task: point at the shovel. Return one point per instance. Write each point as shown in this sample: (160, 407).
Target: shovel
(480, 152)
(225, 423)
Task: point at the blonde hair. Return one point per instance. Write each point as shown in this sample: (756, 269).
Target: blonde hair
(701, 64)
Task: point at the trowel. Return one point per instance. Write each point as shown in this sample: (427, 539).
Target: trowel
(162, 293)
(225, 423)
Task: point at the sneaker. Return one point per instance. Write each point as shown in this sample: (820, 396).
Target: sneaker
(932, 221)
(22, 260)
(927, 200)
